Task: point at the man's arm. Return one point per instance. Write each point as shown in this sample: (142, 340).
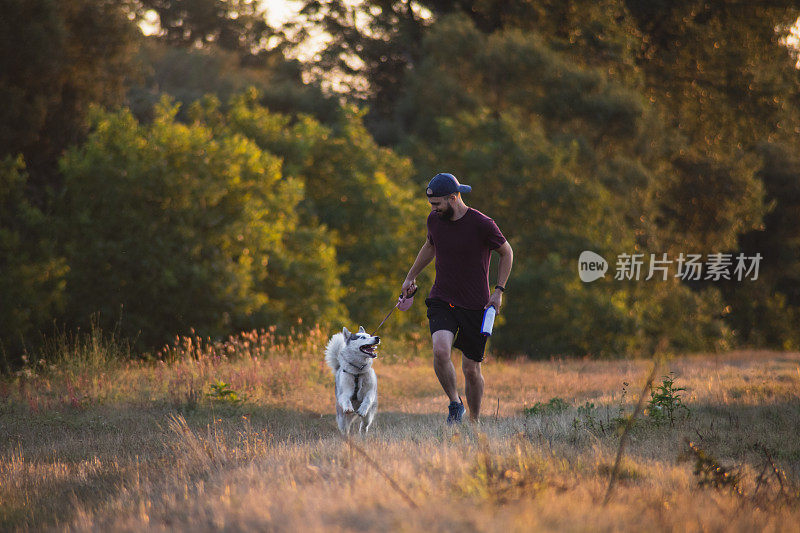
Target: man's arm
(503, 271)
(424, 257)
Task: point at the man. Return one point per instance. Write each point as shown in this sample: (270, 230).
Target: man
(460, 238)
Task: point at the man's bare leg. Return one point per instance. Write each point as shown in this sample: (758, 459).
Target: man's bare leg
(442, 365)
(473, 386)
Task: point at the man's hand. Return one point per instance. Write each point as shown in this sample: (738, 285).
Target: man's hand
(496, 299)
(409, 286)
(424, 257)
(503, 271)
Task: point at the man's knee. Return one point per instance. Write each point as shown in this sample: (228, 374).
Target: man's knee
(441, 352)
(472, 369)
(442, 343)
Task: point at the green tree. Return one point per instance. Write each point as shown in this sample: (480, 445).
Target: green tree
(176, 227)
(765, 311)
(565, 159)
(720, 68)
(363, 193)
(726, 79)
(57, 58)
(375, 44)
(32, 283)
(663, 107)
(236, 25)
(188, 74)
(372, 46)
(550, 212)
(722, 79)
(705, 202)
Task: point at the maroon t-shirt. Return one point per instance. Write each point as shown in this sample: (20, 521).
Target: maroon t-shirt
(463, 248)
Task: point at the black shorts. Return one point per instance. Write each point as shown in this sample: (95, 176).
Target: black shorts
(465, 324)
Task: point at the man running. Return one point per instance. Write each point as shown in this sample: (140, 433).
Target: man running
(461, 239)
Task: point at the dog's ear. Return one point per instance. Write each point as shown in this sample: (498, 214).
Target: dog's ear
(346, 334)
(361, 329)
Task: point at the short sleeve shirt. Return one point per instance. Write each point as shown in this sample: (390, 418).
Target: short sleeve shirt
(463, 248)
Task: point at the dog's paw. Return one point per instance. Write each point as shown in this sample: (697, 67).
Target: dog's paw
(364, 409)
(347, 407)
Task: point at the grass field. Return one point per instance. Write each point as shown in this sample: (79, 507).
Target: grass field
(241, 436)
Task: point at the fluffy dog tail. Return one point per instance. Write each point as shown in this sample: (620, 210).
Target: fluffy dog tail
(335, 345)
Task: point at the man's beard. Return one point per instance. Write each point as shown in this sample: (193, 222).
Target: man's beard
(447, 214)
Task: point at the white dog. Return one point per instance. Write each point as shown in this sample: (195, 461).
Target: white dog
(350, 357)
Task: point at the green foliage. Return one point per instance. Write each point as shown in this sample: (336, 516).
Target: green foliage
(531, 132)
(647, 100)
(690, 319)
(361, 192)
(372, 42)
(588, 417)
(719, 70)
(28, 71)
(764, 312)
(708, 201)
(231, 237)
(177, 227)
(553, 406)
(32, 280)
(386, 38)
(306, 278)
(666, 404)
(720, 77)
(232, 24)
(188, 74)
(57, 58)
(613, 126)
(464, 69)
(220, 391)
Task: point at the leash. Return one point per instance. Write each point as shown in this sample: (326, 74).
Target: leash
(393, 308)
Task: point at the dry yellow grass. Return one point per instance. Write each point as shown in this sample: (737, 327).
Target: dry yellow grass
(93, 444)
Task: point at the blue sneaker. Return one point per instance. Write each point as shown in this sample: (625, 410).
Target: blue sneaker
(457, 411)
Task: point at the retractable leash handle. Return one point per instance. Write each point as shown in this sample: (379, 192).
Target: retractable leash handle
(404, 304)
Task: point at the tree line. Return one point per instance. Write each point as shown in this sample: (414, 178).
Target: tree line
(202, 178)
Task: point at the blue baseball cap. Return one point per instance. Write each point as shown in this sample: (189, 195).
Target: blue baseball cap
(444, 185)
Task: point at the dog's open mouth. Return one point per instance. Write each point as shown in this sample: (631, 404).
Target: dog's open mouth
(370, 349)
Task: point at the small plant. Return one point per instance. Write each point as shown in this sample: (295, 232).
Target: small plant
(221, 391)
(666, 403)
(588, 418)
(553, 406)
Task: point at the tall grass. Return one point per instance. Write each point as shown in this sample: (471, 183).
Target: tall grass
(96, 440)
